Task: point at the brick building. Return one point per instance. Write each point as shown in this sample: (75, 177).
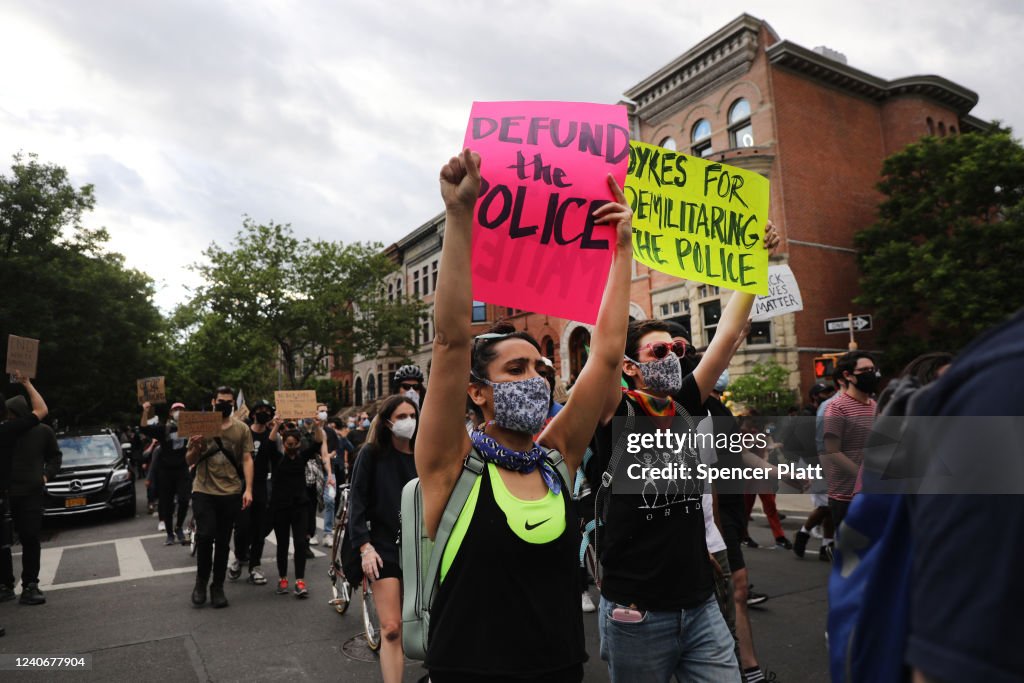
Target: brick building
(817, 128)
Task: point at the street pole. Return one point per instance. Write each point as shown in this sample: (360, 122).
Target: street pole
(853, 344)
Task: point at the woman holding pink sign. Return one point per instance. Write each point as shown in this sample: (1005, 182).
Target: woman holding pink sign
(517, 532)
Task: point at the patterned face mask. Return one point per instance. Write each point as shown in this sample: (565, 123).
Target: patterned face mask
(522, 405)
(661, 376)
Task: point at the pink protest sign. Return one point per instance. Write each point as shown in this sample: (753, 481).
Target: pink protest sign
(545, 167)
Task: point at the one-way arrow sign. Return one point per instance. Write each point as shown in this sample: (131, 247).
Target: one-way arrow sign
(861, 323)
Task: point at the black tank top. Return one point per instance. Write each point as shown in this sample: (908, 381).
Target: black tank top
(507, 607)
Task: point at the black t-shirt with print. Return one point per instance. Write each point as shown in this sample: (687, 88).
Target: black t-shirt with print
(261, 453)
(653, 552)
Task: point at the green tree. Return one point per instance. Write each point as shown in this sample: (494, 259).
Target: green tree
(310, 299)
(943, 261)
(765, 388)
(96, 320)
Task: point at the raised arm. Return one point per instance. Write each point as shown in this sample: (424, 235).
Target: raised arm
(442, 442)
(35, 399)
(597, 389)
(734, 319)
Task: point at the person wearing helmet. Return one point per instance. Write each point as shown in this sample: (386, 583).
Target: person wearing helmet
(408, 382)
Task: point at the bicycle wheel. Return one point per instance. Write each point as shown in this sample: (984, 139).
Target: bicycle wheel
(590, 560)
(371, 622)
(340, 587)
(192, 537)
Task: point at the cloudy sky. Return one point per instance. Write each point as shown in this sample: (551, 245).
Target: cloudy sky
(335, 116)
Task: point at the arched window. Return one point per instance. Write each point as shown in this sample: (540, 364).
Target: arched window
(952, 130)
(942, 129)
(931, 125)
(549, 349)
(579, 340)
(371, 389)
(380, 384)
(359, 391)
(668, 143)
(741, 133)
(700, 136)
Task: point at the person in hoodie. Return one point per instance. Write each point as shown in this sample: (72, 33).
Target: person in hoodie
(34, 458)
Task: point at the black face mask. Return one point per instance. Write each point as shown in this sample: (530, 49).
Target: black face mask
(225, 407)
(263, 418)
(868, 381)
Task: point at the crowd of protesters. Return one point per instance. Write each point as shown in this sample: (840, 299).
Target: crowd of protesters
(673, 582)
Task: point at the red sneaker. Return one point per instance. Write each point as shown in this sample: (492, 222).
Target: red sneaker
(300, 589)
(282, 587)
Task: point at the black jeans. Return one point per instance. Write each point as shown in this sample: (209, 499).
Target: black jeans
(27, 515)
(291, 519)
(173, 484)
(215, 517)
(260, 524)
(311, 522)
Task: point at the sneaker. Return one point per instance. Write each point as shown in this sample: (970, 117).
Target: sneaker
(161, 527)
(31, 595)
(783, 543)
(170, 540)
(328, 541)
(750, 543)
(6, 593)
(217, 597)
(309, 553)
(256, 577)
(199, 593)
(282, 587)
(300, 589)
(151, 508)
(588, 603)
(781, 516)
(800, 544)
(180, 535)
(234, 569)
(816, 533)
(314, 540)
(755, 598)
(825, 554)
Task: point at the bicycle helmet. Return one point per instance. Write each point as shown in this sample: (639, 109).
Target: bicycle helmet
(408, 372)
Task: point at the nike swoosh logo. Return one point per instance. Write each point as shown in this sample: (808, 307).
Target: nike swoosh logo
(531, 527)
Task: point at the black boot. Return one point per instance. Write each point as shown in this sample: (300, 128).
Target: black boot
(31, 595)
(199, 593)
(217, 597)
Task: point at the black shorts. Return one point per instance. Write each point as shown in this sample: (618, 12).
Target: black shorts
(390, 570)
(732, 513)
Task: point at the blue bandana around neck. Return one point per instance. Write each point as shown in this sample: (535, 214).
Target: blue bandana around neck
(517, 461)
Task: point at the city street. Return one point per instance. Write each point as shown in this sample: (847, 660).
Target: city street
(116, 592)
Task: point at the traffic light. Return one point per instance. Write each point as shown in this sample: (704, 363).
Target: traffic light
(823, 366)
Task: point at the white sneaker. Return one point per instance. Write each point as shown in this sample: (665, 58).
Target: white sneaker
(314, 540)
(816, 533)
(234, 570)
(161, 527)
(328, 541)
(256, 577)
(588, 604)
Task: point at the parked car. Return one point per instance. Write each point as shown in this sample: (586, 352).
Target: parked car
(94, 475)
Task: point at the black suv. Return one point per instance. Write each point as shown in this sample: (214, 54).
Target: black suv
(94, 475)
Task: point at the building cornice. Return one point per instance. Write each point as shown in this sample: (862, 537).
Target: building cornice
(809, 63)
(720, 57)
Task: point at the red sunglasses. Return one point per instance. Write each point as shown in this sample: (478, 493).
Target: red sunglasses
(660, 349)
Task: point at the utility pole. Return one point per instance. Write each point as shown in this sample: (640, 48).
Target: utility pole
(853, 344)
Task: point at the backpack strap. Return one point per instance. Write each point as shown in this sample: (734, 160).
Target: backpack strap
(472, 467)
(556, 460)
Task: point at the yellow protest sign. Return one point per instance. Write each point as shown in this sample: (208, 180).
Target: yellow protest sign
(698, 219)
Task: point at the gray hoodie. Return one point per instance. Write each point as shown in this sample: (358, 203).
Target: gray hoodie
(34, 453)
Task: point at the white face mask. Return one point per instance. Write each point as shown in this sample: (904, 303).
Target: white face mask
(322, 415)
(404, 429)
(175, 414)
(413, 396)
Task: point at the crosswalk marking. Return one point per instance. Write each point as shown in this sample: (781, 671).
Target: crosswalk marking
(133, 561)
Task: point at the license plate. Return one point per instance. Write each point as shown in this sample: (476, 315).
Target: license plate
(74, 502)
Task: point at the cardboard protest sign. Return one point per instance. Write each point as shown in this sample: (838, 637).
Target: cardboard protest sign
(544, 167)
(191, 423)
(151, 389)
(22, 355)
(293, 405)
(783, 295)
(698, 219)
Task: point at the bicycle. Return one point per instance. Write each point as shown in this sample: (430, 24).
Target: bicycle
(340, 587)
(371, 621)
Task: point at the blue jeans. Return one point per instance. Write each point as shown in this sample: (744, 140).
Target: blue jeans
(328, 513)
(694, 645)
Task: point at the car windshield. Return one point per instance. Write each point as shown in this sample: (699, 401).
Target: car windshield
(79, 451)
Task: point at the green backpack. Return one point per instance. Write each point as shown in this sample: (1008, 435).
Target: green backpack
(421, 556)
